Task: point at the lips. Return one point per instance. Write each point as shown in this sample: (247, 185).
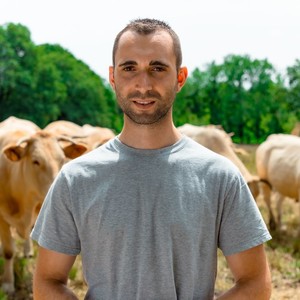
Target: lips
(143, 104)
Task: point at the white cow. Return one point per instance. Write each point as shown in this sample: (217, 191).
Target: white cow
(216, 139)
(278, 167)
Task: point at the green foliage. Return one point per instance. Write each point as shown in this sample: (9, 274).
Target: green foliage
(17, 61)
(44, 83)
(80, 92)
(187, 107)
(245, 96)
(294, 94)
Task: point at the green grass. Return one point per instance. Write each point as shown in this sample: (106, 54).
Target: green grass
(2, 295)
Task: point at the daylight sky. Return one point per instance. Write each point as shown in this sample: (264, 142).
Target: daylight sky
(209, 30)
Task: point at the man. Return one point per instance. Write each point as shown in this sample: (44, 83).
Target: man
(148, 210)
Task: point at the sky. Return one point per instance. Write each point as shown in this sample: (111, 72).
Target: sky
(209, 30)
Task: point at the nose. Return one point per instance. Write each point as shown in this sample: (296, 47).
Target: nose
(143, 82)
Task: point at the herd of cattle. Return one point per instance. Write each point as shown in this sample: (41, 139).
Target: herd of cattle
(31, 157)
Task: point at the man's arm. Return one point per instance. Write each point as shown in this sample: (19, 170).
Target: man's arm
(251, 273)
(51, 276)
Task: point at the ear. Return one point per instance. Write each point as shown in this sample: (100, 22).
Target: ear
(74, 150)
(112, 77)
(14, 152)
(181, 78)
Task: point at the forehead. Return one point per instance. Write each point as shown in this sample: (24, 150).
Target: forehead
(154, 45)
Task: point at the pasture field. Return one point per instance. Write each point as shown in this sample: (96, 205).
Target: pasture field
(283, 253)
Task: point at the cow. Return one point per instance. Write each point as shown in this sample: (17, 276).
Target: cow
(278, 167)
(96, 136)
(216, 139)
(64, 127)
(24, 127)
(91, 136)
(17, 123)
(29, 161)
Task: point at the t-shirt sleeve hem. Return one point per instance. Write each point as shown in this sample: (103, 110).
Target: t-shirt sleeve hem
(248, 245)
(54, 245)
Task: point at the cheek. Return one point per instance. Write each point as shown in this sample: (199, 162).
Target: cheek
(121, 89)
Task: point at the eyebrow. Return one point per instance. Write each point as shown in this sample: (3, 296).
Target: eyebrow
(158, 63)
(128, 63)
(152, 63)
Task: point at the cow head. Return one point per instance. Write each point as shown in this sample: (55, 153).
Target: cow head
(15, 152)
(39, 158)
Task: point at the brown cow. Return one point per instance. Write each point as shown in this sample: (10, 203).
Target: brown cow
(63, 127)
(96, 136)
(29, 161)
(17, 123)
(216, 139)
(278, 167)
(91, 136)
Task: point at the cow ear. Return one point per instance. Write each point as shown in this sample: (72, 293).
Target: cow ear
(14, 153)
(74, 150)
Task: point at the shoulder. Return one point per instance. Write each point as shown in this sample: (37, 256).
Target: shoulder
(200, 154)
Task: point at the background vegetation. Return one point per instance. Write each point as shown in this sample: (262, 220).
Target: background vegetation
(46, 82)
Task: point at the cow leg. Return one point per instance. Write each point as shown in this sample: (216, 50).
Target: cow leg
(254, 188)
(28, 248)
(279, 199)
(8, 253)
(266, 193)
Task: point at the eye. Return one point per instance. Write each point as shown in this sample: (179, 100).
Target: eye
(158, 69)
(36, 162)
(128, 68)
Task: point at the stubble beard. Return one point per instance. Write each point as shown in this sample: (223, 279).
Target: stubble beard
(164, 105)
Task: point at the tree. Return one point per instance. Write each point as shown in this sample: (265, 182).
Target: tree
(189, 106)
(46, 82)
(294, 92)
(84, 100)
(17, 62)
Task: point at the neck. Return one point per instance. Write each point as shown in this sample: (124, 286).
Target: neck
(154, 136)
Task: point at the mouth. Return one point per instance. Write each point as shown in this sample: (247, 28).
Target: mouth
(143, 104)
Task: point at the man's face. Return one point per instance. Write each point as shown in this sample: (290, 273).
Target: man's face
(145, 76)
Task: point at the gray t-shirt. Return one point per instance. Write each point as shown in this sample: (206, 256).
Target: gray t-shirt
(148, 222)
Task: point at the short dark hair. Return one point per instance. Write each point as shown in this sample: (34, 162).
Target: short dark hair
(148, 26)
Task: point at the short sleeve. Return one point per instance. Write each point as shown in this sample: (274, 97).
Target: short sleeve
(242, 226)
(55, 228)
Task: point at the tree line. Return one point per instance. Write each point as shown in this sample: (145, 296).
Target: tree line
(44, 83)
